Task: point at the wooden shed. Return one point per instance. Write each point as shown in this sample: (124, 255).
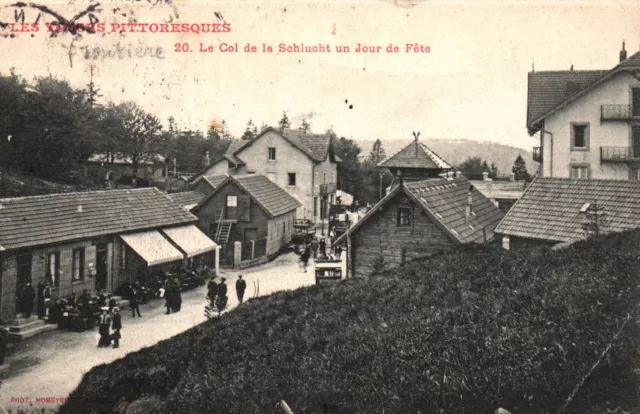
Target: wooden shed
(417, 219)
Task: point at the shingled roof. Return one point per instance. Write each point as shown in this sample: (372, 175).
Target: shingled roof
(416, 155)
(57, 218)
(445, 201)
(269, 196)
(550, 208)
(187, 198)
(548, 91)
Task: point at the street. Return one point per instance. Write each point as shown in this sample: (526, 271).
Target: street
(52, 364)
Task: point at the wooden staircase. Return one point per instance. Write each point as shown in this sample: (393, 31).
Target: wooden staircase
(224, 232)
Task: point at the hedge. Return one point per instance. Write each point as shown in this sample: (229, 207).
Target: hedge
(461, 332)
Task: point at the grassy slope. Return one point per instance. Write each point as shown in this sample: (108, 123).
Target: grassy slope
(463, 332)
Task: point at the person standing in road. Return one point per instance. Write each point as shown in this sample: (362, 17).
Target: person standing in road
(314, 247)
(241, 286)
(104, 322)
(133, 304)
(116, 326)
(323, 248)
(304, 258)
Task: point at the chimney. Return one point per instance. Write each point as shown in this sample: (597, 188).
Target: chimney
(450, 175)
(512, 177)
(469, 208)
(485, 176)
(623, 53)
(205, 160)
(458, 174)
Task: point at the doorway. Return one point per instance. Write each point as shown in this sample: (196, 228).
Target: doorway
(23, 263)
(101, 266)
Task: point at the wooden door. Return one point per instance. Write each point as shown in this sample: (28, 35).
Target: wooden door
(250, 234)
(101, 266)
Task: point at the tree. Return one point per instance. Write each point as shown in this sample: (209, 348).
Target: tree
(520, 169)
(284, 122)
(348, 150)
(377, 154)
(473, 167)
(137, 134)
(250, 132)
(494, 171)
(92, 90)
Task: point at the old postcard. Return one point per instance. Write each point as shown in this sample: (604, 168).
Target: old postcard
(319, 206)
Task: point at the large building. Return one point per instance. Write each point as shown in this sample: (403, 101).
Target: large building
(249, 209)
(588, 121)
(302, 164)
(98, 240)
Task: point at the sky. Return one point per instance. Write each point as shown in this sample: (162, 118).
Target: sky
(472, 84)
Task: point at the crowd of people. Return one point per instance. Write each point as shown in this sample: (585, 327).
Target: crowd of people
(318, 249)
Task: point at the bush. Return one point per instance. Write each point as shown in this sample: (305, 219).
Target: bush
(461, 332)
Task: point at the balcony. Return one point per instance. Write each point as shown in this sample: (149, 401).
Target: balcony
(328, 188)
(537, 154)
(618, 112)
(619, 154)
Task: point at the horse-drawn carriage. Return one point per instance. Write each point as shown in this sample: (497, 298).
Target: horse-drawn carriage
(303, 231)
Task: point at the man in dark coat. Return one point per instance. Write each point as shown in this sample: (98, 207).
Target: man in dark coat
(177, 296)
(133, 303)
(104, 322)
(212, 289)
(323, 247)
(168, 296)
(28, 296)
(304, 258)
(116, 325)
(222, 294)
(241, 286)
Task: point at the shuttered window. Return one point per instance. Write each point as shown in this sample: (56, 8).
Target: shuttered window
(635, 101)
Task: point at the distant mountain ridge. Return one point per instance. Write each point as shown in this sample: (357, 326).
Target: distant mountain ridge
(455, 151)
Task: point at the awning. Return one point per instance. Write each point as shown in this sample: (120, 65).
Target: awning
(190, 239)
(152, 247)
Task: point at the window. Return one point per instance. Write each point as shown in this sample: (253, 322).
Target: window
(634, 174)
(272, 154)
(78, 265)
(579, 136)
(284, 227)
(123, 255)
(232, 201)
(315, 206)
(635, 102)
(292, 179)
(404, 216)
(580, 171)
(53, 268)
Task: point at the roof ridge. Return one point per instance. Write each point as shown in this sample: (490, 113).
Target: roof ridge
(122, 190)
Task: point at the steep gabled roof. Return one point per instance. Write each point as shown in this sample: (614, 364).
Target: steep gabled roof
(550, 91)
(415, 155)
(445, 201)
(57, 218)
(269, 196)
(550, 208)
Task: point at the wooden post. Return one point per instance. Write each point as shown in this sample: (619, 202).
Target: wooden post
(348, 261)
(285, 408)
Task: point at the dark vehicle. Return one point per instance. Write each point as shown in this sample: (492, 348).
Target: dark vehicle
(303, 231)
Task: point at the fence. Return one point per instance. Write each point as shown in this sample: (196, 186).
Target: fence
(250, 252)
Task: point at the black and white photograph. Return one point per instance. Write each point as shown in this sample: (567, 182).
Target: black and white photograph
(320, 206)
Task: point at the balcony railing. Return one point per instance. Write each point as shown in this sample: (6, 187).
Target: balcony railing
(537, 154)
(619, 154)
(328, 188)
(618, 112)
